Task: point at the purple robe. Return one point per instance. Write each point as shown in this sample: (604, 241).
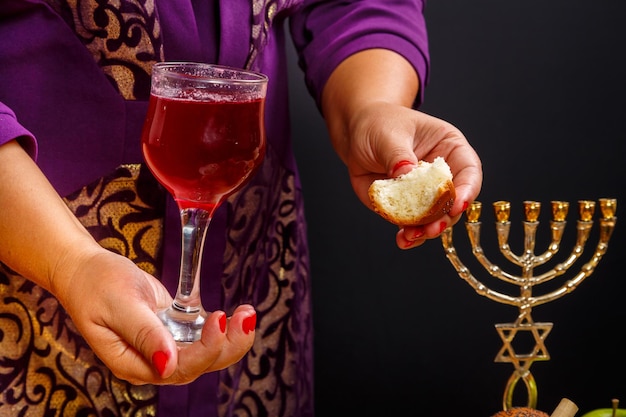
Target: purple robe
(74, 91)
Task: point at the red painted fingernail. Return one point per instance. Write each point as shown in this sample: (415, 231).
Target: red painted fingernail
(442, 226)
(408, 244)
(223, 323)
(418, 233)
(159, 359)
(465, 206)
(249, 324)
(400, 165)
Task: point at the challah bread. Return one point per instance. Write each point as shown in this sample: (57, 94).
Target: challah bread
(520, 412)
(418, 197)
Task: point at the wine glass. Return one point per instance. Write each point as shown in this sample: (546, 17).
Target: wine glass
(203, 139)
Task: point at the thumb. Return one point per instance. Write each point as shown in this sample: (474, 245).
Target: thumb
(402, 164)
(141, 349)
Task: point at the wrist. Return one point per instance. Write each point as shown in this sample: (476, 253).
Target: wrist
(359, 85)
(65, 268)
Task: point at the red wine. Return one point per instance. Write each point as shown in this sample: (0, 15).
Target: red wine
(202, 151)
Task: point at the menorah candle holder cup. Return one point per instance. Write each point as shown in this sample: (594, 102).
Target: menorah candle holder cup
(527, 280)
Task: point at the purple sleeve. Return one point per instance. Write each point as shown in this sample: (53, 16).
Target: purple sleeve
(10, 129)
(327, 32)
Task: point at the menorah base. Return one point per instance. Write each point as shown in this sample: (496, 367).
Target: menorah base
(509, 390)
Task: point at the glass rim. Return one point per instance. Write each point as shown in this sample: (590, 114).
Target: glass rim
(163, 66)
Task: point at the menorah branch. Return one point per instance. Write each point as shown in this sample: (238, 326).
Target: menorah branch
(557, 234)
(467, 276)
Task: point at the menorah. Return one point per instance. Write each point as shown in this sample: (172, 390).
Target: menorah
(528, 261)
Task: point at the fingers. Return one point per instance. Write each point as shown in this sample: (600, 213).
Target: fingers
(136, 346)
(413, 236)
(139, 349)
(406, 240)
(159, 360)
(467, 186)
(128, 336)
(467, 177)
(223, 343)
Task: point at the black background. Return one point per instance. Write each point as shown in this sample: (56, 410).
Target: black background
(538, 88)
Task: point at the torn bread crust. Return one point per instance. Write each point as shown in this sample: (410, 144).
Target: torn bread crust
(418, 197)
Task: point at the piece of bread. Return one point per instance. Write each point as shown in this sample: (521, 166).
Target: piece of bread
(418, 197)
(520, 412)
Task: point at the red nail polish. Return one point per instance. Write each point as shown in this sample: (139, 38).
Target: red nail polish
(249, 324)
(400, 165)
(465, 206)
(418, 233)
(223, 323)
(159, 359)
(408, 244)
(442, 226)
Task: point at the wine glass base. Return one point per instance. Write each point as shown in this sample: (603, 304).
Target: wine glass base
(186, 327)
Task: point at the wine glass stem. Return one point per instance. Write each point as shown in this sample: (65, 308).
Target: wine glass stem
(195, 222)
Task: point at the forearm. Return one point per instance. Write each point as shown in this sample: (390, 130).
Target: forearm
(38, 233)
(365, 78)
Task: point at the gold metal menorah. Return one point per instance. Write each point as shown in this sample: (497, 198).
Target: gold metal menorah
(526, 281)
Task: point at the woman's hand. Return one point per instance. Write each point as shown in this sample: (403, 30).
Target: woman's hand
(112, 301)
(113, 305)
(389, 139)
(367, 106)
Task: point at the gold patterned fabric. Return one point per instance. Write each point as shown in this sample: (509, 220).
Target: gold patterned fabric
(124, 38)
(46, 368)
(266, 265)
